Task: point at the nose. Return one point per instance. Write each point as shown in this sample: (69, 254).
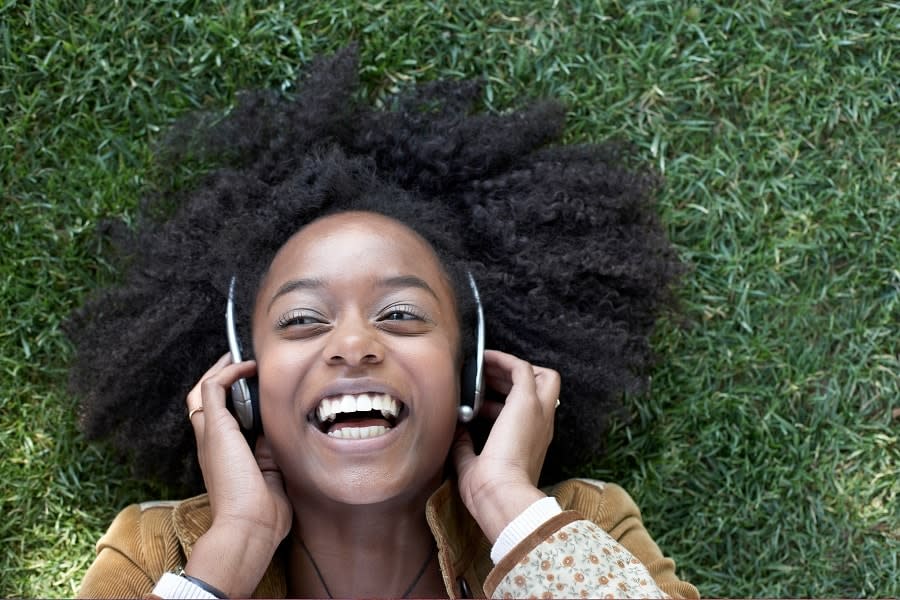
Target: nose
(353, 342)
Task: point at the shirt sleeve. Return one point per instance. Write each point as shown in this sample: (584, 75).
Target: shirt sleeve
(570, 557)
(522, 526)
(598, 547)
(612, 508)
(126, 566)
(171, 585)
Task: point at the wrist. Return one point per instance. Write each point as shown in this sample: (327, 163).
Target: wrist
(496, 509)
(231, 559)
(526, 523)
(175, 585)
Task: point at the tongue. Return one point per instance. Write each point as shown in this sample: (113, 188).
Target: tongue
(359, 422)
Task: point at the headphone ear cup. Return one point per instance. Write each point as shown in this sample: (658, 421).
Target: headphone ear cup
(243, 402)
(246, 408)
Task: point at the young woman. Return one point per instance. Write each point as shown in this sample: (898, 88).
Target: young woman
(351, 236)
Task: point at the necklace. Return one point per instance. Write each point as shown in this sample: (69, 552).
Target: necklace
(405, 594)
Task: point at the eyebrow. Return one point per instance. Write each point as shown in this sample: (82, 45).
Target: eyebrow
(405, 281)
(294, 285)
(396, 282)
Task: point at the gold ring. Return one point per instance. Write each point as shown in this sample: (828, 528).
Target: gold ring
(196, 410)
(557, 403)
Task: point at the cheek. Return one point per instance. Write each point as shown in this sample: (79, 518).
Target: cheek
(438, 354)
(438, 375)
(282, 372)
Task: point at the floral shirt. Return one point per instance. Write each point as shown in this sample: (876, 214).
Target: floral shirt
(577, 559)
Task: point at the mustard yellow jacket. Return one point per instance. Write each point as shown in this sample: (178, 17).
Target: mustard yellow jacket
(569, 556)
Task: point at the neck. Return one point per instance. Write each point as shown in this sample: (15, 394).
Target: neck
(374, 550)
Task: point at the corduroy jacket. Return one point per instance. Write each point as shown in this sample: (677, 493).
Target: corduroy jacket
(597, 547)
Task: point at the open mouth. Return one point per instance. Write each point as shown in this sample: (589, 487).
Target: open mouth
(357, 416)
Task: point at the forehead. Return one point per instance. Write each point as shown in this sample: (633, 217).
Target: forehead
(355, 246)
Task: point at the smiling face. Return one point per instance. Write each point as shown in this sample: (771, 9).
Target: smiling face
(356, 339)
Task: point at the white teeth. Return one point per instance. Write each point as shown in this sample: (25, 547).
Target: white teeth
(329, 408)
(359, 432)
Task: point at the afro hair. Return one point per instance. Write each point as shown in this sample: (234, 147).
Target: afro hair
(572, 263)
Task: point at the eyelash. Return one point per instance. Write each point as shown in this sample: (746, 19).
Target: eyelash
(405, 309)
(294, 317)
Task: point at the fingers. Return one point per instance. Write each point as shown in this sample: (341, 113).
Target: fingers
(206, 401)
(505, 373)
(194, 398)
(463, 450)
(490, 410)
(267, 465)
(514, 451)
(502, 371)
(547, 382)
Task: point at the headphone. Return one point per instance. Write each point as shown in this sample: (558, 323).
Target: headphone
(472, 390)
(245, 391)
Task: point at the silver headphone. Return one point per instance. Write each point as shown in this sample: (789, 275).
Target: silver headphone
(472, 392)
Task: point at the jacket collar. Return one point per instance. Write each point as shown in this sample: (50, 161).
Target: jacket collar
(463, 551)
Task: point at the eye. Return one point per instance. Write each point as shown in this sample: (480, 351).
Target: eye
(299, 318)
(401, 312)
(399, 315)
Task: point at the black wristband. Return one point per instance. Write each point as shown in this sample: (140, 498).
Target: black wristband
(202, 584)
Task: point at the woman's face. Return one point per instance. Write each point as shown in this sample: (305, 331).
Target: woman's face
(356, 339)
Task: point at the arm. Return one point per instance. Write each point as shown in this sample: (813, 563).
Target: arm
(250, 513)
(250, 510)
(600, 549)
(126, 566)
(500, 483)
(613, 509)
(570, 557)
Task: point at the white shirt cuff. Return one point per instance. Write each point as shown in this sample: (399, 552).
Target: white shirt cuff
(524, 525)
(171, 585)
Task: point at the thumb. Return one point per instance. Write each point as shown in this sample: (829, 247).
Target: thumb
(463, 450)
(267, 465)
(275, 486)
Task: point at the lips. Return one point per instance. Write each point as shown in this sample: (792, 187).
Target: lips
(357, 415)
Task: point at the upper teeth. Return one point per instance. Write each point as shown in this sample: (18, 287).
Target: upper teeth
(348, 403)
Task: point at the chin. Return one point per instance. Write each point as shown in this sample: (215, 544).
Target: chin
(363, 487)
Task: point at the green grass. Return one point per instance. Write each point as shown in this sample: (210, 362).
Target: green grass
(766, 458)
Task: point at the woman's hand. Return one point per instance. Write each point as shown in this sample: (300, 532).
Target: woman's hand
(501, 482)
(250, 510)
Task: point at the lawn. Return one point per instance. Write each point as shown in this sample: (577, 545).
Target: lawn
(766, 457)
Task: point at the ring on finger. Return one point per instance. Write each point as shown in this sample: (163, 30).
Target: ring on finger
(557, 403)
(195, 410)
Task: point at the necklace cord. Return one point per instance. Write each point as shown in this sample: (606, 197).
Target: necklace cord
(405, 594)
(316, 567)
(420, 573)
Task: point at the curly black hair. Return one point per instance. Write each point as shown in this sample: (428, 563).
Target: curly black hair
(572, 263)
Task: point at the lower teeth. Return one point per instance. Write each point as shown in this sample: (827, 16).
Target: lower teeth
(358, 432)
